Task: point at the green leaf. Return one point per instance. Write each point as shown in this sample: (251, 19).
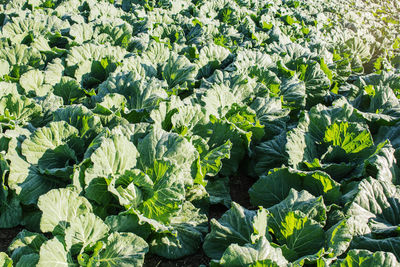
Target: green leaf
(90, 52)
(376, 243)
(25, 243)
(113, 156)
(351, 137)
(374, 209)
(302, 235)
(121, 249)
(4, 67)
(98, 191)
(211, 163)
(128, 222)
(293, 92)
(289, 20)
(81, 118)
(183, 241)
(312, 207)
(235, 226)
(70, 90)
(5, 261)
(374, 204)
(35, 182)
(218, 190)
(10, 209)
(40, 146)
(246, 119)
(185, 237)
(20, 109)
(338, 239)
(131, 188)
(253, 254)
(53, 253)
(81, 32)
(275, 187)
(84, 231)
(186, 118)
(210, 58)
(218, 99)
(159, 145)
(53, 72)
(167, 194)
(60, 207)
(382, 165)
(28, 260)
(270, 154)
(178, 71)
(217, 132)
(316, 81)
(139, 93)
(364, 258)
(33, 82)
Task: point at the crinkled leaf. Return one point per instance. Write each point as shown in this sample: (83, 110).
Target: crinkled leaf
(235, 226)
(114, 155)
(84, 231)
(211, 163)
(122, 249)
(53, 253)
(274, 187)
(361, 258)
(250, 254)
(60, 207)
(301, 235)
(310, 206)
(185, 237)
(28, 259)
(43, 142)
(338, 239)
(25, 243)
(5, 260)
(179, 70)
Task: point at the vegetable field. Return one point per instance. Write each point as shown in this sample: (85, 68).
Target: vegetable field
(186, 133)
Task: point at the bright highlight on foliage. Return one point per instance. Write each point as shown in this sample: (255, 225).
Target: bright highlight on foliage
(124, 123)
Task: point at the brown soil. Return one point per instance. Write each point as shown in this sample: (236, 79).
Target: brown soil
(190, 261)
(216, 211)
(239, 189)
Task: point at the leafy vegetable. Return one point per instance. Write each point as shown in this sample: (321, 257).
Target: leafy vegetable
(128, 127)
